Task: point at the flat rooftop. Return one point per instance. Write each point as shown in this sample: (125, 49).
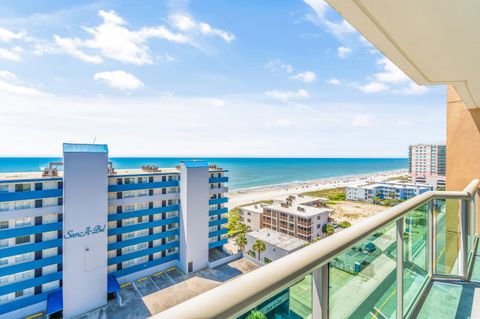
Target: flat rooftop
(299, 200)
(256, 208)
(27, 175)
(277, 239)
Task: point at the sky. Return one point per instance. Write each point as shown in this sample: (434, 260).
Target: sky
(204, 78)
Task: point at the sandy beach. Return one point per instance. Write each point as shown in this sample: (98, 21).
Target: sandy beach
(246, 196)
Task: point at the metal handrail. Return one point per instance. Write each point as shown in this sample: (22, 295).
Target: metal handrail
(234, 297)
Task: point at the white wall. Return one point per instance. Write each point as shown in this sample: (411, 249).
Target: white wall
(271, 252)
(194, 196)
(84, 258)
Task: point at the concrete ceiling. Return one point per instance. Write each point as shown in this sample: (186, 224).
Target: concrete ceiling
(432, 41)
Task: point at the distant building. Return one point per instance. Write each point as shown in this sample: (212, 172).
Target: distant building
(251, 216)
(427, 164)
(299, 216)
(402, 191)
(277, 245)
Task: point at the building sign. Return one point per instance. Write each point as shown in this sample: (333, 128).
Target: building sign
(88, 231)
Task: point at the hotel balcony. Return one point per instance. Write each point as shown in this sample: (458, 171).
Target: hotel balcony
(414, 260)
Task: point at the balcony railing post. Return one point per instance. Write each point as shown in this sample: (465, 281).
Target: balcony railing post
(430, 239)
(464, 248)
(320, 293)
(400, 223)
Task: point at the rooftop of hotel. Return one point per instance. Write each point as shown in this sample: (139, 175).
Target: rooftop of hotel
(256, 208)
(302, 206)
(28, 175)
(299, 199)
(277, 239)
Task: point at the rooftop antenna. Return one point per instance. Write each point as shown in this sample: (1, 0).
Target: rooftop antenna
(94, 139)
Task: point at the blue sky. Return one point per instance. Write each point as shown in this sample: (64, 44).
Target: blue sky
(204, 78)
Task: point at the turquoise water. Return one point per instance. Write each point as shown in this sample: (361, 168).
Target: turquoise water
(243, 172)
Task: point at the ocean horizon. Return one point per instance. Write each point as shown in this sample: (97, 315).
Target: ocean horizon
(243, 172)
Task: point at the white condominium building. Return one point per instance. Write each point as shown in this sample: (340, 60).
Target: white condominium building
(427, 163)
(402, 191)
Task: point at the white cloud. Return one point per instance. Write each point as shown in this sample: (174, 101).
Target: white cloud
(391, 73)
(319, 6)
(113, 40)
(184, 22)
(343, 52)
(278, 65)
(12, 54)
(217, 102)
(120, 80)
(7, 35)
(280, 123)
(9, 85)
(7, 75)
(288, 95)
(414, 89)
(334, 81)
(340, 29)
(374, 87)
(392, 76)
(307, 77)
(362, 120)
(70, 46)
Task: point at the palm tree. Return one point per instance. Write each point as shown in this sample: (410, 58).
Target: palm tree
(328, 229)
(241, 241)
(259, 246)
(256, 315)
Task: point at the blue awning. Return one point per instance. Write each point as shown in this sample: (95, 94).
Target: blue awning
(55, 302)
(113, 285)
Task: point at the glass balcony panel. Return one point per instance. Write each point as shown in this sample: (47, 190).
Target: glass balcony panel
(447, 217)
(415, 255)
(294, 302)
(362, 280)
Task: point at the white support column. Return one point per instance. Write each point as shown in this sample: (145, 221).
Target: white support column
(194, 196)
(320, 293)
(400, 223)
(464, 248)
(85, 208)
(430, 239)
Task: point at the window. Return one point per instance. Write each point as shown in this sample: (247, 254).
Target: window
(60, 201)
(22, 240)
(119, 181)
(60, 185)
(23, 187)
(3, 261)
(24, 257)
(3, 280)
(4, 206)
(4, 224)
(24, 275)
(4, 243)
(22, 222)
(38, 186)
(3, 188)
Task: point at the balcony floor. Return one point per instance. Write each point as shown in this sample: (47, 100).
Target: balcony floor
(451, 299)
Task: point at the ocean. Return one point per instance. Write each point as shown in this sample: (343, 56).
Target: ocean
(243, 172)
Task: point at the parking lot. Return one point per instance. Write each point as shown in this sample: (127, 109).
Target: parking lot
(150, 295)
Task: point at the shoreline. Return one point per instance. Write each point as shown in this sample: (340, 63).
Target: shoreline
(245, 196)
